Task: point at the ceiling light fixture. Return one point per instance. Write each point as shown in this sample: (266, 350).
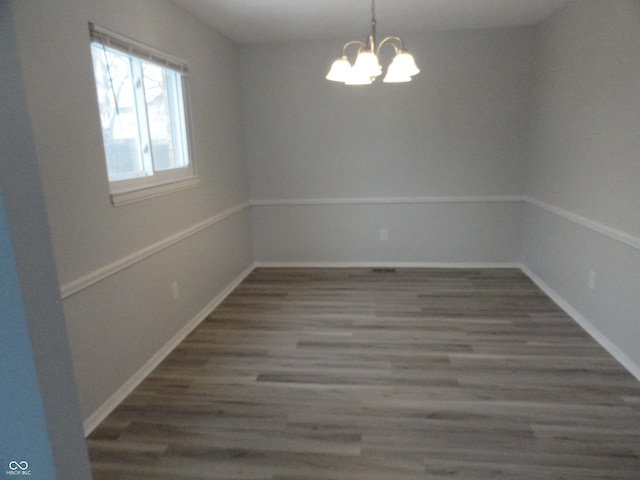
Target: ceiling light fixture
(367, 67)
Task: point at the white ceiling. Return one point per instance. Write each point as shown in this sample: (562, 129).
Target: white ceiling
(268, 21)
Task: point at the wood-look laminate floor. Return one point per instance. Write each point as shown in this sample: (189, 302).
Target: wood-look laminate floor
(360, 374)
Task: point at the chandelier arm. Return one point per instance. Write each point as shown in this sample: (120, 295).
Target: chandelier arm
(389, 40)
(353, 42)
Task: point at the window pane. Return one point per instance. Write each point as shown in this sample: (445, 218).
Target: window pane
(143, 116)
(118, 113)
(166, 125)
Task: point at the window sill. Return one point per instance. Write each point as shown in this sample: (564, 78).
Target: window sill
(131, 196)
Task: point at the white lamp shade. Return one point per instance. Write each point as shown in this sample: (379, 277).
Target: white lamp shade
(392, 77)
(367, 64)
(358, 78)
(340, 70)
(403, 65)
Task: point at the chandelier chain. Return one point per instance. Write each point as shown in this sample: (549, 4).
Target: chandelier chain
(373, 23)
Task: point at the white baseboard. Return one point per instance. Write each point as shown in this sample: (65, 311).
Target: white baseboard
(107, 407)
(320, 264)
(604, 342)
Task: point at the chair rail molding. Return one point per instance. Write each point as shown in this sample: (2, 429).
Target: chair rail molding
(613, 233)
(86, 281)
(385, 200)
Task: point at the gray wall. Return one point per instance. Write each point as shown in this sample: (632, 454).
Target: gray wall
(116, 264)
(439, 162)
(584, 171)
(39, 412)
(512, 145)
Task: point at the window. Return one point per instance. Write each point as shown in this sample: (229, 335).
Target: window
(144, 117)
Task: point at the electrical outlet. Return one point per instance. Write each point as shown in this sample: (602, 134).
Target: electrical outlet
(384, 234)
(175, 291)
(591, 280)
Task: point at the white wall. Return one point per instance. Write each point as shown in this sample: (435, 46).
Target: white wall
(39, 413)
(116, 264)
(426, 160)
(584, 172)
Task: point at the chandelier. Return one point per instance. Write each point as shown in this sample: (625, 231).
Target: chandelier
(367, 67)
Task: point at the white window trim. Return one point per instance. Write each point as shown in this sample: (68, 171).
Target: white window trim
(124, 192)
(136, 49)
(125, 197)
